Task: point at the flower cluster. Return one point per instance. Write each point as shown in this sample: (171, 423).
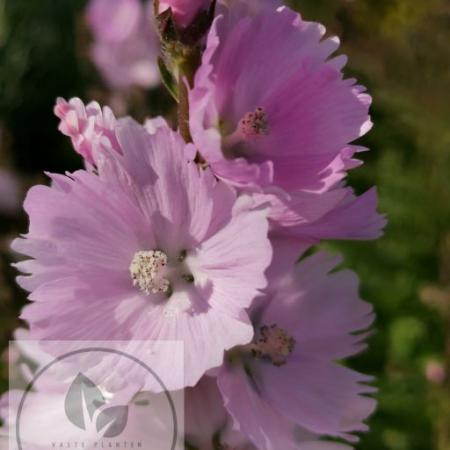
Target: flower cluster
(204, 235)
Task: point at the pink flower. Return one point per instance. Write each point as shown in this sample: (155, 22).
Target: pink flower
(288, 377)
(114, 20)
(271, 113)
(209, 426)
(87, 125)
(125, 47)
(150, 248)
(184, 11)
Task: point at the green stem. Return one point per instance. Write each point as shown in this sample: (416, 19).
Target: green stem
(183, 107)
(186, 74)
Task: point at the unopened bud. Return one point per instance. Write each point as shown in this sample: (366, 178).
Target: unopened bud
(184, 11)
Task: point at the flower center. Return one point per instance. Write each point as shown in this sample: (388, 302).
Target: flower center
(153, 272)
(254, 123)
(251, 126)
(274, 344)
(148, 270)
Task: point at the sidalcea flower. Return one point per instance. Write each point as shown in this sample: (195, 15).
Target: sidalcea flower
(209, 426)
(271, 113)
(86, 126)
(288, 378)
(125, 47)
(184, 11)
(145, 247)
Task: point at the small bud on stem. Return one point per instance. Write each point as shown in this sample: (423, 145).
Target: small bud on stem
(181, 51)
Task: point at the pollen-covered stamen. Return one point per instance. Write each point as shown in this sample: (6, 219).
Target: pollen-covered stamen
(148, 270)
(274, 344)
(254, 123)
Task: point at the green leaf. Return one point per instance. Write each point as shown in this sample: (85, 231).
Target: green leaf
(167, 79)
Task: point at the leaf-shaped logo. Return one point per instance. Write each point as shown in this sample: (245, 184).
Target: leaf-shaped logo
(112, 421)
(82, 400)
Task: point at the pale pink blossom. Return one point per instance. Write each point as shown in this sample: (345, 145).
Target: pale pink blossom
(209, 426)
(272, 114)
(147, 247)
(289, 376)
(125, 43)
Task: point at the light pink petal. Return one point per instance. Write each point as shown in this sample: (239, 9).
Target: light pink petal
(89, 221)
(205, 334)
(354, 218)
(268, 428)
(219, 257)
(322, 311)
(253, 417)
(167, 177)
(113, 20)
(125, 44)
(286, 252)
(205, 414)
(322, 397)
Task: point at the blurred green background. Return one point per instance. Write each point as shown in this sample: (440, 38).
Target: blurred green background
(400, 50)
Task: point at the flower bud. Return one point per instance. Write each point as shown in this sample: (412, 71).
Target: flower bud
(184, 11)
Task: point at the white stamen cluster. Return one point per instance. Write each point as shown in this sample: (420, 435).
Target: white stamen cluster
(147, 271)
(274, 344)
(254, 123)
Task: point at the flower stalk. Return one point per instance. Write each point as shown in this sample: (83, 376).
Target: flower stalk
(186, 73)
(181, 50)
